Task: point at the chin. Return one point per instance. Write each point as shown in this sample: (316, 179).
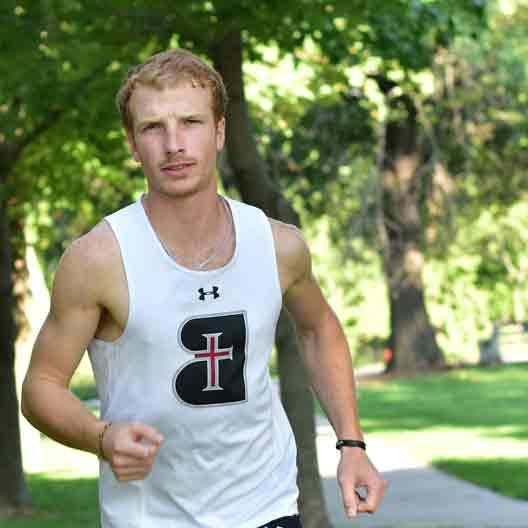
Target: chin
(182, 191)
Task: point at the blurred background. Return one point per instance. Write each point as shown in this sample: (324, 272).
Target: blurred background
(393, 132)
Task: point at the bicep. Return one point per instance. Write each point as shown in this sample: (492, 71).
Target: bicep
(307, 305)
(70, 325)
(302, 297)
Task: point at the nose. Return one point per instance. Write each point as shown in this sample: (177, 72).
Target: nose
(174, 139)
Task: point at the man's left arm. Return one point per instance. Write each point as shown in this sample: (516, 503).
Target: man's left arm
(327, 359)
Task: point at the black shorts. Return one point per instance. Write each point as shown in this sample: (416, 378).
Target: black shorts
(292, 521)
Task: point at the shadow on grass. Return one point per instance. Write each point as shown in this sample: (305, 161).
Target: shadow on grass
(59, 502)
(492, 398)
(505, 476)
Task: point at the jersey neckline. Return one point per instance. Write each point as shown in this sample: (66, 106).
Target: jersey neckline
(232, 211)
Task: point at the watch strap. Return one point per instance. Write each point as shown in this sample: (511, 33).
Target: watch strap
(351, 443)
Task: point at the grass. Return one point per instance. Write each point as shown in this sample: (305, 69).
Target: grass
(471, 422)
(469, 398)
(497, 474)
(82, 383)
(60, 502)
(63, 490)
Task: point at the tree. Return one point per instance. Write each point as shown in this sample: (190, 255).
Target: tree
(393, 44)
(48, 41)
(52, 43)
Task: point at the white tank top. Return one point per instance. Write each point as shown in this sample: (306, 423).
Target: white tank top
(193, 363)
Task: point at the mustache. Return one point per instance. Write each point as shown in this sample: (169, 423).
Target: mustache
(175, 161)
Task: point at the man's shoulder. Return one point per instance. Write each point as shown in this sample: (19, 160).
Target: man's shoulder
(88, 268)
(289, 239)
(293, 254)
(95, 251)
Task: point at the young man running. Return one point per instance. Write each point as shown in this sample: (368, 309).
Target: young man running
(176, 297)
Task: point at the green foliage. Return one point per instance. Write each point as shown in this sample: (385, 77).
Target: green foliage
(406, 33)
(501, 241)
(318, 123)
(58, 107)
(458, 309)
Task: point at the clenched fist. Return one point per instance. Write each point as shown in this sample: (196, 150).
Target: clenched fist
(130, 449)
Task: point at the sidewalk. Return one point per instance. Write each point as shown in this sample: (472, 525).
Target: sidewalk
(418, 496)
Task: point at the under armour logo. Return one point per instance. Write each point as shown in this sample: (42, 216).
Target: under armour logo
(213, 292)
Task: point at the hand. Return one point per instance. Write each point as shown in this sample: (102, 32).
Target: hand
(356, 470)
(130, 449)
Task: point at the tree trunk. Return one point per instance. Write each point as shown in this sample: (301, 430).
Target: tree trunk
(412, 341)
(256, 188)
(14, 494)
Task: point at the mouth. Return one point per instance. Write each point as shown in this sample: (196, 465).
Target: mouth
(177, 167)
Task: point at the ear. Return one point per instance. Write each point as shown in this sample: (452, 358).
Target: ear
(220, 134)
(132, 145)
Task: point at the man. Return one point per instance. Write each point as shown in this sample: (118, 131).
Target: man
(177, 297)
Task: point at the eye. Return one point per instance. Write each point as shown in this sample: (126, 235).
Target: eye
(193, 121)
(150, 126)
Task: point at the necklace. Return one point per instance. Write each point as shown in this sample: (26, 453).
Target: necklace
(223, 240)
(217, 247)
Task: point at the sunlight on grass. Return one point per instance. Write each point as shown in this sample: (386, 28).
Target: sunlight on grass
(447, 443)
(471, 417)
(504, 475)
(69, 463)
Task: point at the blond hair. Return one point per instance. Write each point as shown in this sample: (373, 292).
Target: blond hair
(170, 68)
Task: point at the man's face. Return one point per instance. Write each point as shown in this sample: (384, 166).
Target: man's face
(175, 138)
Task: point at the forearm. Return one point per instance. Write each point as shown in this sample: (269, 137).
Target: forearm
(329, 365)
(59, 414)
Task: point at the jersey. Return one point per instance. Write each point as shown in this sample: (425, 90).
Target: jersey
(192, 362)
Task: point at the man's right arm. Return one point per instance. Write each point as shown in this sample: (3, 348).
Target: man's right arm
(71, 323)
(76, 307)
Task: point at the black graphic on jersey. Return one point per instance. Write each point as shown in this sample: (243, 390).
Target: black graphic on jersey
(213, 292)
(215, 375)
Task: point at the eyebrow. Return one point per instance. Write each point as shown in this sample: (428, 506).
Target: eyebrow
(150, 120)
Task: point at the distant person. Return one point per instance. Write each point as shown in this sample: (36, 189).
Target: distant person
(176, 297)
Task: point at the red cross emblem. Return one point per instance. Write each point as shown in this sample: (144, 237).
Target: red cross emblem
(213, 355)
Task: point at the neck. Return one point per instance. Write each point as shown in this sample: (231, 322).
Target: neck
(189, 228)
(193, 211)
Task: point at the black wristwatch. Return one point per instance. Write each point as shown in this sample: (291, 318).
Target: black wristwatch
(351, 443)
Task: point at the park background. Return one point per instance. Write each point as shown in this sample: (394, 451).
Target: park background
(394, 132)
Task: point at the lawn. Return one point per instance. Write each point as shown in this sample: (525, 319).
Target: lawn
(470, 422)
(61, 502)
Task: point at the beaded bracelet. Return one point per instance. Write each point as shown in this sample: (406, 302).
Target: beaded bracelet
(100, 452)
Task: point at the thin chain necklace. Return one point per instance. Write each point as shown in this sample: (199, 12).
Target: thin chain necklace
(227, 230)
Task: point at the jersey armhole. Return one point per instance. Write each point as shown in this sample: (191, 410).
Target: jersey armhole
(130, 303)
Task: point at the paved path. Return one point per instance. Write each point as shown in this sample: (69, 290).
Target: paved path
(419, 496)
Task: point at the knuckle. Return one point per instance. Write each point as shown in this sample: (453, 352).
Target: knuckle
(119, 463)
(118, 453)
(343, 481)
